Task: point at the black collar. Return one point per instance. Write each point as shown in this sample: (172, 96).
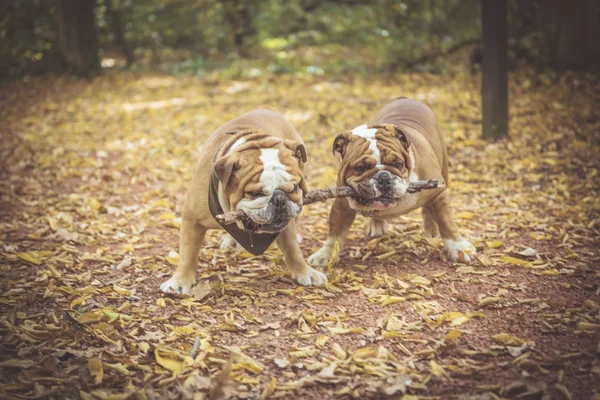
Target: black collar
(255, 243)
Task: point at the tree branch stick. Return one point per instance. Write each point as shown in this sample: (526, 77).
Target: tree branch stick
(320, 195)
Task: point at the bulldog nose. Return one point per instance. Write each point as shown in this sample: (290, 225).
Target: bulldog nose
(279, 199)
(384, 180)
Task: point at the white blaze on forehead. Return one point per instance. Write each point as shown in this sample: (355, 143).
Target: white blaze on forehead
(369, 134)
(237, 143)
(274, 173)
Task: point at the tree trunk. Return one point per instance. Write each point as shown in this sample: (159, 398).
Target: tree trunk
(119, 31)
(238, 15)
(494, 86)
(77, 37)
(572, 30)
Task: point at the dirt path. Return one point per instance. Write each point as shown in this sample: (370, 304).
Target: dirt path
(92, 182)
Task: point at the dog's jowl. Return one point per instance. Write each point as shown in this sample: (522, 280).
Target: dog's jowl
(402, 145)
(252, 163)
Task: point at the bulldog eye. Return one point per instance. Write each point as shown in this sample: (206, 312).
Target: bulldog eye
(295, 189)
(360, 169)
(399, 165)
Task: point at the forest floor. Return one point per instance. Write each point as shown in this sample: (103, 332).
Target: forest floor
(92, 181)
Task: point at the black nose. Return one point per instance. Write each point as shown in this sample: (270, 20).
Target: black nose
(279, 199)
(384, 180)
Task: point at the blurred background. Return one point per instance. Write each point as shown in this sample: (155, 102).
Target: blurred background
(246, 38)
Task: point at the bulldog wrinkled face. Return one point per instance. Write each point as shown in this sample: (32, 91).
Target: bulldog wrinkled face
(376, 163)
(266, 182)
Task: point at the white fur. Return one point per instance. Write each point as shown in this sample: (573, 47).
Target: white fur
(413, 177)
(177, 285)
(453, 248)
(310, 277)
(237, 143)
(369, 134)
(321, 258)
(274, 172)
(274, 175)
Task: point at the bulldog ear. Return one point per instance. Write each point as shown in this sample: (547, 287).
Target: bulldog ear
(341, 142)
(301, 153)
(399, 133)
(298, 149)
(225, 166)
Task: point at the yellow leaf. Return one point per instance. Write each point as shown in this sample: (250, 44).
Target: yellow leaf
(29, 257)
(488, 301)
(118, 367)
(394, 323)
(465, 215)
(419, 280)
(17, 364)
(453, 334)
(387, 300)
(458, 318)
(509, 340)
(438, 370)
(161, 302)
(121, 291)
(96, 370)
(91, 316)
(79, 301)
(167, 216)
(334, 254)
(339, 352)
(167, 361)
(321, 340)
(94, 203)
(514, 261)
(144, 347)
(495, 244)
(269, 389)
(588, 326)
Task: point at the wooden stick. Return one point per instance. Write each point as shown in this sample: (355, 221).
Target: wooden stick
(331, 193)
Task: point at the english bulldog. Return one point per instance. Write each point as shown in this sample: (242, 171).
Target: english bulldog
(254, 163)
(402, 145)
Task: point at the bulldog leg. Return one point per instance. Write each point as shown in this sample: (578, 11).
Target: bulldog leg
(341, 218)
(429, 225)
(191, 237)
(457, 247)
(377, 228)
(302, 273)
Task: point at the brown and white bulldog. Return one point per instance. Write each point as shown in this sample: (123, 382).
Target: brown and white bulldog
(378, 161)
(252, 163)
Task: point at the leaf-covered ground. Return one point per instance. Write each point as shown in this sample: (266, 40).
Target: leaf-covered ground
(92, 180)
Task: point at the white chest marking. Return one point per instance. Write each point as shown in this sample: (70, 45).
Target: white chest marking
(274, 172)
(369, 134)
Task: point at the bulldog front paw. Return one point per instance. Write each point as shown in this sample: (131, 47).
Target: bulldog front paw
(321, 258)
(310, 277)
(228, 242)
(377, 228)
(178, 285)
(461, 250)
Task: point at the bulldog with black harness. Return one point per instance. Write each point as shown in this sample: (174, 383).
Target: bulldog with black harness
(254, 163)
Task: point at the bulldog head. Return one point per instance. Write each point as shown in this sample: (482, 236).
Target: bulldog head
(261, 175)
(376, 163)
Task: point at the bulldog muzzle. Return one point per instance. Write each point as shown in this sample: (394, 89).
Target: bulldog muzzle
(273, 216)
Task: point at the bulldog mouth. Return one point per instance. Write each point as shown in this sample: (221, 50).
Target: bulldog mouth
(377, 203)
(272, 227)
